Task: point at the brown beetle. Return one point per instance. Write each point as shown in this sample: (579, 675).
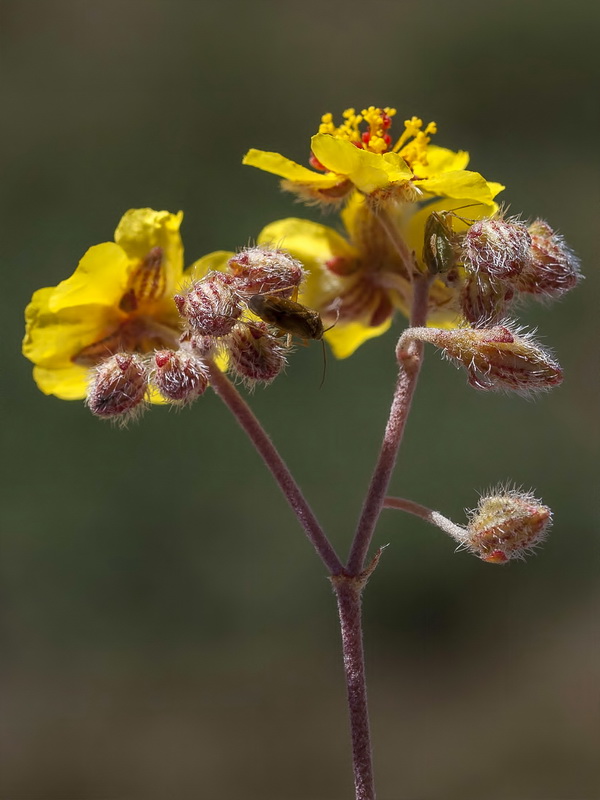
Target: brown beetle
(290, 317)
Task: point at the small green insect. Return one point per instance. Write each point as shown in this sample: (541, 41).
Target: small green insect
(439, 252)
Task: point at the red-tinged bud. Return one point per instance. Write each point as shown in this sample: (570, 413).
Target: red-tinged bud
(484, 300)
(178, 376)
(261, 270)
(496, 359)
(255, 355)
(202, 347)
(553, 268)
(210, 306)
(506, 524)
(118, 387)
(497, 247)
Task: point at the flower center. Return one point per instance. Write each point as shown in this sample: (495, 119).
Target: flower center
(369, 130)
(144, 325)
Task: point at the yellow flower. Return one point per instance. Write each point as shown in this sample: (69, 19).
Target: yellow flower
(118, 299)
(349, 159)
(356, 283)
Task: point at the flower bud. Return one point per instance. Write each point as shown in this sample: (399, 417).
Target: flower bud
(506, 524)
(484, 300)
(118, 387)
(497, 247)
(210, 306)
(255, 354)
(178, 376)
(200, 346)
(496, 359)
(553, 268)
(260, 270)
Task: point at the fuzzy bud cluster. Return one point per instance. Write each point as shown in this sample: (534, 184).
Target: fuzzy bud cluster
(218, 319)
(506, 524)
(497, 260)
(217, 322)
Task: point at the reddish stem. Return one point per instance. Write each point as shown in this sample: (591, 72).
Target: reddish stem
(410, 366)
(348, 592)
(277, 466)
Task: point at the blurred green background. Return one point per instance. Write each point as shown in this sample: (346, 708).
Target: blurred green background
(167, 630)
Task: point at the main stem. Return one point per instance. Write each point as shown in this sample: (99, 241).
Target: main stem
(348, 587)
(348, 593)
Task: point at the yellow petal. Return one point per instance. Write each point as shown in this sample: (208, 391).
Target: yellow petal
(313, 242)
(440, 159)
(368, 171)
(290, 170)
(100, 279)
(53, 338)
(68, 383)
(141, 229)
(345, 339)
(459, 184)
(351, 209)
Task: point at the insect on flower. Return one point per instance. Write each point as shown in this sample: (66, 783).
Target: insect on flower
(291, 318)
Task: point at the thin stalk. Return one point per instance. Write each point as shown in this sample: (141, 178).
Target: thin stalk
(277, 466)
(410, 360)
(348, 594)
(434, 517)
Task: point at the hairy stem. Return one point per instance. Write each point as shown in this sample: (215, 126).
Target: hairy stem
(348, 592)
(434, 517)
(277, 466)
(410, 360)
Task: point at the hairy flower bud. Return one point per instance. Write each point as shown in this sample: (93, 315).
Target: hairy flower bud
(484, 300)
(198, 345)
(210, 306)
(553, 268)
(178, 376)
(497, 247)
(118, 387)
(506, 524)
(496, 359)
(255, 354)
(260, 270)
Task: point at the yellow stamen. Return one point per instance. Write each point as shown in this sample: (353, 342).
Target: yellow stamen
(350, 127)
(415, 151)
